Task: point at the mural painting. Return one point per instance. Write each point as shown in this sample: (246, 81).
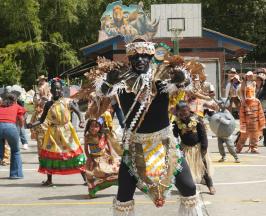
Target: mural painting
(128, 21)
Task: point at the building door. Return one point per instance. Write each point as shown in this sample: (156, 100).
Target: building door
(212, 70)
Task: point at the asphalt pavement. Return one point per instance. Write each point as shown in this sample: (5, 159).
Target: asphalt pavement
(241, 190)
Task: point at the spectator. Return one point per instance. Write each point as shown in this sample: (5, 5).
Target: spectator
(6, 154)
(43, 87)
(232, 72)
(22, 132)
(10, 113)
(232, 93)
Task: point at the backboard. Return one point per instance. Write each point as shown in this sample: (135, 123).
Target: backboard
(184, 17)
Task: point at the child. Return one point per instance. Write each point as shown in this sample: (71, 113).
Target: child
(252, 119)
(101, 167)
(6, 157)
(194, 144)
(230, 146)
(222, 124)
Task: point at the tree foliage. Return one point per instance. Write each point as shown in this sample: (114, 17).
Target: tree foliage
(44, 36)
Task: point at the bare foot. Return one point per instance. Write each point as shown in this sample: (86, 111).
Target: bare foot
(47, 183)
(212, 190)
(92, 196)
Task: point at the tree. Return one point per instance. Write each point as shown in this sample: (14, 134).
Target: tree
(44, 36)
(244, 20)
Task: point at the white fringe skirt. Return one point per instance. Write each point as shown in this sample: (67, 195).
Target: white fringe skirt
(195, 162)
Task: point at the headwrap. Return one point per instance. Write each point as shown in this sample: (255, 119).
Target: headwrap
(140, 48)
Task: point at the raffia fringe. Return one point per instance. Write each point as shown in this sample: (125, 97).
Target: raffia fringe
(123, 208)
(99, 81)
(195, 162)
(190, 206)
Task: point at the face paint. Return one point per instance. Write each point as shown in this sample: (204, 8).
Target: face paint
(140, 63)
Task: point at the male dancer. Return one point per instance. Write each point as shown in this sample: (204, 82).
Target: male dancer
(152, 159)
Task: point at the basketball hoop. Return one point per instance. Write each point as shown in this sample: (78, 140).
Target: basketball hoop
(175, 32)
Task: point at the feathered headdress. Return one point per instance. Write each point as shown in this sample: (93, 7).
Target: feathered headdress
(173, 64)
(103, 67)
(196, 70)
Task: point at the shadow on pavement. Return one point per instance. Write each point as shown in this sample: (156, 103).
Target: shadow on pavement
(20, 185)
(28, 152)
(34, 184)
(76, 197)
(30, 162)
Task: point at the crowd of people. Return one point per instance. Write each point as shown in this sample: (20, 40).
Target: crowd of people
(147, 99)
(248, 95)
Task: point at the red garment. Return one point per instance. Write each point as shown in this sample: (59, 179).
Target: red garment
(11, 113)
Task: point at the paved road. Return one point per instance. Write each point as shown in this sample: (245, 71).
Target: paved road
(240, 191)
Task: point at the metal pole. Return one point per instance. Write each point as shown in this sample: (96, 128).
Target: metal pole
(176, 46)
(175, 39)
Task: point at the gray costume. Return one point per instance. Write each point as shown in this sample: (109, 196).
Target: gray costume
(223, 125)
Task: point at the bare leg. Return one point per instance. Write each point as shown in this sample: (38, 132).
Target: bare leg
(83, 174)
(48, 182)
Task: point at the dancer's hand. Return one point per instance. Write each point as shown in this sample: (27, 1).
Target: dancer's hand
(28, 126)
(203, 153)
(112, 77)
(111, 160)
(81, 124)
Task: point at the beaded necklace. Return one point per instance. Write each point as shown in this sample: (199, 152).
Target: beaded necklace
(146, 91)
(191, 126)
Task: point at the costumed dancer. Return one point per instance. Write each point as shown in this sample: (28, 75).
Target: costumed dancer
(222, 124)
(102, 165)
(6, 157)
(173, 100)
(252, 120)
(152, 160)
(61, 152)
(194, 144)
(261, 95)
(201, 92)
(98, 108)
(38, 132)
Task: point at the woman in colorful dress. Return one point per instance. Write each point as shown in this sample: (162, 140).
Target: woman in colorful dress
(101, 167)
(61, 152)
